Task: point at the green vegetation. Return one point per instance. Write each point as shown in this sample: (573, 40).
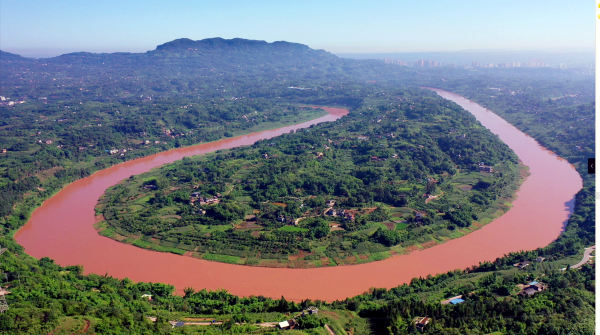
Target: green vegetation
(389, 174)
(137, 97)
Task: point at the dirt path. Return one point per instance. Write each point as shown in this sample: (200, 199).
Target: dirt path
(208, 323)
(329, 330)
(87, 326)
(433, 197)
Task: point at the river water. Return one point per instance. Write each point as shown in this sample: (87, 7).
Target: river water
(62, 228)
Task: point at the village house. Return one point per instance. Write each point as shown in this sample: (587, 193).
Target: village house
(522, 265)
(288, 324)
(330, 203)
(420, 322)
(533, 288)
(147, 296)
(540, 259)
(208, 201)
(331, 212)
(3, 151)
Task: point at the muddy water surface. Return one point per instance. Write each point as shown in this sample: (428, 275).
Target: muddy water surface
(62, 228)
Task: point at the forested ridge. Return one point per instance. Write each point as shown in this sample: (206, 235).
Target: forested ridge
(45, 296)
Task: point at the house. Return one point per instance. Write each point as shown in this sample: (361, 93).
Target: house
(349, 217)
(147, 296)
(418, 216)
(313, 310)
(3, 151)
(533, 288)
(330, 203)
(288, 324)
(265, 156)
(540, 259)
(456, 301)
(522, 265)
(420, 322)
(486, 168)
(364, 138)
(331, 212)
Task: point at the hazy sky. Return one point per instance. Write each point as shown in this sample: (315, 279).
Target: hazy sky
(36, 27)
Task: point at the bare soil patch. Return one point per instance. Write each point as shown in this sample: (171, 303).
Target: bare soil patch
(390, 225)
(170, 217)
(429, 244)
(412, 248)
(44, 175)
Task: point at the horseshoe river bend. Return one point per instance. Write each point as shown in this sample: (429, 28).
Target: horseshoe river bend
(62, 228)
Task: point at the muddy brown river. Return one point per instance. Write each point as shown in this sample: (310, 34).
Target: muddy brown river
(62, 228)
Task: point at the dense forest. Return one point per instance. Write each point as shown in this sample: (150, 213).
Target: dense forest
(416, 169)
(111, 93)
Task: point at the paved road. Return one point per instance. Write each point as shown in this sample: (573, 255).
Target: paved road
(586, 257)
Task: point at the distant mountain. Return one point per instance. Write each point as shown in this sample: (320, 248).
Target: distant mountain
(235, 44)
(177, 67)
(7, 56)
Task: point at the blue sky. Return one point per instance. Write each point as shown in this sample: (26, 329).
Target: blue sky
(32, 27)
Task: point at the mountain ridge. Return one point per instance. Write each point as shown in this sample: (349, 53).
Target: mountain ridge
(208, 45)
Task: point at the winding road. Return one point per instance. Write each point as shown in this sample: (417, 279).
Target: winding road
(586, 257)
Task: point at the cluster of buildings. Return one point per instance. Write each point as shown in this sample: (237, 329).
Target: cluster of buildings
(485, 168)
(419, 63)
(346, 215)
(474, 64)
(292, 323)
(288, 220)
(200, 200)
(4, 101)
